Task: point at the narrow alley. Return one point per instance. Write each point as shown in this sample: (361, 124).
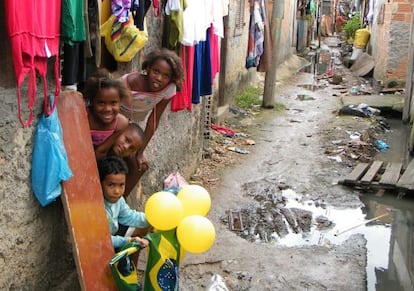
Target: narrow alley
(292, 169)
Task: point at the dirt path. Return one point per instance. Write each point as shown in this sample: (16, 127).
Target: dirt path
(294, 151)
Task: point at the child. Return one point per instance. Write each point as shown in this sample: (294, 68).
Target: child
(151, 92)
(104, 95)
(124, 145)
(112, 174)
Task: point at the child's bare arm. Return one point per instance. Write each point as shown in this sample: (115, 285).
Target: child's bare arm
(144, 243)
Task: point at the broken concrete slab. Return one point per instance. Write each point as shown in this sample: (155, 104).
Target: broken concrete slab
(363, 65)
(383, 102)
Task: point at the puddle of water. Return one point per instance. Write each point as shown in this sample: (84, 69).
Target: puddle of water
(390, 239)
(311, 87)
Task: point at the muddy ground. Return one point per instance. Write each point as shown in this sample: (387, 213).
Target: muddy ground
(300, 154)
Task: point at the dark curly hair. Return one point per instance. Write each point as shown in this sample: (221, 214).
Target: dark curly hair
(172, 59)
(111, 165)
(103, 79)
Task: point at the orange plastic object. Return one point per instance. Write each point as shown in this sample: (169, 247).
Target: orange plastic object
(83, 200)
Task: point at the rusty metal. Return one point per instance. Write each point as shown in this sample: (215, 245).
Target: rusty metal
(235, 220)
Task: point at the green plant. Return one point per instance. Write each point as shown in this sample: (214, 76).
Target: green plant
(352, 25)
(249, 98)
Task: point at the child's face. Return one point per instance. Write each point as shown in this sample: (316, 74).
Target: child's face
(105, 107)
(159, 75)
(127, 143)
(113, 187)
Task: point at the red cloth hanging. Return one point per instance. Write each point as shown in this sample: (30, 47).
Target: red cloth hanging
(182, 100)
(33, 27)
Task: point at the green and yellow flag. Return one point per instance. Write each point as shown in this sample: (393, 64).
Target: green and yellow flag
(164, 257)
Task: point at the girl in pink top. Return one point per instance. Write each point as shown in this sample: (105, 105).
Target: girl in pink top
(103, 95)
(151, 91)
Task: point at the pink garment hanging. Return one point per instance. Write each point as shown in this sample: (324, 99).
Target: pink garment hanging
(33, 27)
(182, 100)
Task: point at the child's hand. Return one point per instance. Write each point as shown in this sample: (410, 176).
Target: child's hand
(142, 162)
(144, 243)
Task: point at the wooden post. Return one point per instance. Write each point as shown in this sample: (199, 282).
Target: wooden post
(270, 77)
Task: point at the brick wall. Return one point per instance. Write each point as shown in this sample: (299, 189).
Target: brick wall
(390, 41)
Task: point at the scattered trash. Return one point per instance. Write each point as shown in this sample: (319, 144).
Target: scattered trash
(223, 130)
(249, 142)
(236, 110)
(238, 150)
(336, 79)
(335, 158)
(235, 220)
(356, 136)
(354, 90)
(304, 97)
(381, 145)
(241, 134)
(216, 283)
(361, 110)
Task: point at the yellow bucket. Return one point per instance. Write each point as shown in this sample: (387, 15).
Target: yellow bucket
(361, 37)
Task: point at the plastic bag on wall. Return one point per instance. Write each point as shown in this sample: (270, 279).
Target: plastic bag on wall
(49, 160)
(174, 182)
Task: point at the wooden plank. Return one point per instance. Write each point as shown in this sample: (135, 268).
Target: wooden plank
(82, 198)
(406, 181)
(356, 173)
(372, 172)
(391, 175)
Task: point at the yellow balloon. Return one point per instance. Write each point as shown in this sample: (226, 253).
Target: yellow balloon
(195, 199)
(196, 234)
(163, 210)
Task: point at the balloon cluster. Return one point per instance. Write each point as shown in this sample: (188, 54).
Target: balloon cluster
(186, 212)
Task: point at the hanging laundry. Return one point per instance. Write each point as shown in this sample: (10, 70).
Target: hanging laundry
(139, 11)
(173, 23)
(256, 35)
(182, 100)
(34, 28)
(121, 8)
(73, 36)
(220, 8)
(266, 57)
(157, 8)
(196, 20)
(214, 54)
(202, 82)
(93, 31)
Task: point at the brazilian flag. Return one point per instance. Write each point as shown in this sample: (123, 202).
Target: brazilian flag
(123, 268)
(164, 257)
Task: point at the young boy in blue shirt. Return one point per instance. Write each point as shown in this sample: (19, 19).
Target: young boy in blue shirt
(112, 173)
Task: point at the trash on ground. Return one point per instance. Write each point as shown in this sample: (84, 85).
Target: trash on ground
(241, 134)
(236, 110)
(216, 283)
(381, 145)
(223, 130)
(304, 97)
(356, 136)
(335, 158)
(238, 150)
(249, 142)
(235, 220)
(361, 110)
